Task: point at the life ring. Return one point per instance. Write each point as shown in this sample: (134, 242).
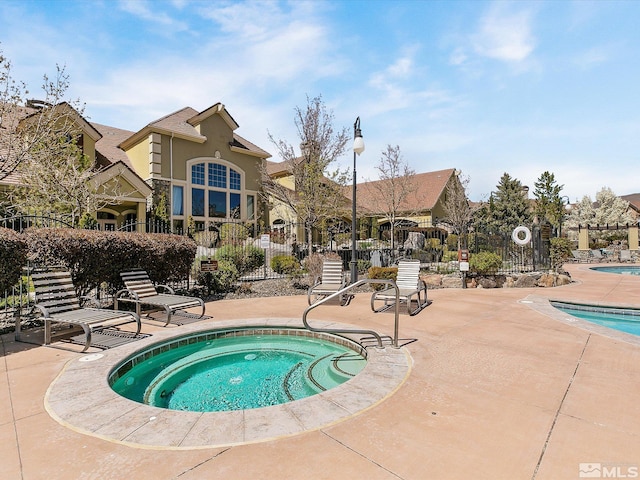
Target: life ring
(516, 235)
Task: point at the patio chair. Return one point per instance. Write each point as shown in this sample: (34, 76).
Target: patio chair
(597, 256)
(140, 291)
(625, 256)
(409, 284)
(57, 301)
(579, 257)
(331, 281)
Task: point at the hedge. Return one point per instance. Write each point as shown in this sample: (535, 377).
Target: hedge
(95, 256)
(13, 256)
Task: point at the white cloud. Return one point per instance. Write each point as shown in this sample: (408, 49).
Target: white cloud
(151, 12)
(592, 57)
(504, 34)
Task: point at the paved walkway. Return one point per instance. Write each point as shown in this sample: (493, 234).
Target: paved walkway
(497, 390)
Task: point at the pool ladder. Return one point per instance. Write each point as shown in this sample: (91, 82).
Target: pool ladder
(346, 289)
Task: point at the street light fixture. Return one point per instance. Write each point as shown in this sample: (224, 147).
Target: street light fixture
(358, 148)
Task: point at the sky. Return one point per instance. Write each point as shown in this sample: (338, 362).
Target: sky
(485, 87)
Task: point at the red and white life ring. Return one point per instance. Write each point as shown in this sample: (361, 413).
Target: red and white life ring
(516, 235)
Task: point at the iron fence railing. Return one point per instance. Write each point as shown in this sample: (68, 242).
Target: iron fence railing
(431, 244)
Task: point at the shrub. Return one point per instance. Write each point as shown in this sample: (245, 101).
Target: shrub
(253, 257)
(485, 262)
(245, 259)
(221, 280)
(559, 252)
(94, 256)
(386, 273)
(233, 234)
(285, 265)
(363, 265)
(13, 256)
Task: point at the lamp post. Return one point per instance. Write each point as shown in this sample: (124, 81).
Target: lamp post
(358, 148)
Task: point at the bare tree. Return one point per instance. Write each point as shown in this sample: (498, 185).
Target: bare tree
(394, 188)
(27, 126)
(458, 211)
(316, 195)
(60, 178)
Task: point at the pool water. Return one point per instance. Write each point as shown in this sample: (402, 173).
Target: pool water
(621, 319)
(628, 270)
(236, 372)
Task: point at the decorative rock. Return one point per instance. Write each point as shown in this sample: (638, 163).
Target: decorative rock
(484, 282)
(433, 280)
(527, 281)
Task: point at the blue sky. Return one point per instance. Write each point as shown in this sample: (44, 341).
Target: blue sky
(486, 87)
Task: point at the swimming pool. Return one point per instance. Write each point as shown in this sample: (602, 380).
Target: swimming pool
(237, 369)
(622, 319)
(623, 270)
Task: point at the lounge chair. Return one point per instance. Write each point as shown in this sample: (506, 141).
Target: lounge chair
(409, 284)
(331, 281)
(141, 291)
(597, 256)
(579, 257)
(57, 301)
(625, 256)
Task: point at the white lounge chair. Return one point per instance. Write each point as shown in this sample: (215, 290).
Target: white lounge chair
(625, 256)
(331, 281)
(410, 285)
(57, 301)
(141, 291)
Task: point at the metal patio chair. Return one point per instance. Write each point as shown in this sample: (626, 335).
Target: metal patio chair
(409, 284)
(331, 281)
(140, 290)
(57, 301)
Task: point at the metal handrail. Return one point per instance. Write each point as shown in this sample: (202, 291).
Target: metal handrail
(369, 332)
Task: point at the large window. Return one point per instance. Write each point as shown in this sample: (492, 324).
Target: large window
(216, 192)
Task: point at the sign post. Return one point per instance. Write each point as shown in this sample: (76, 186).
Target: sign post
(265, 241)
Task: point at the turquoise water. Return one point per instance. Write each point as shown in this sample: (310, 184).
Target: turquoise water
(622, 319)
(239, 372)
(629, 270)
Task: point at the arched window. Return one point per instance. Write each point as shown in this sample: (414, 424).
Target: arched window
(216, 190)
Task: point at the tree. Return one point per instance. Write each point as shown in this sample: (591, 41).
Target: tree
(316, 195)
(59, 178)
(608, 209)
(27, 126)
(508, 207)
(549, 205)
(396, 183)
(458, 211)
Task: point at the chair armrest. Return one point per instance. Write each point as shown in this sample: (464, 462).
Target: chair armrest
(167, 288)
(126, 294)
(43, 310)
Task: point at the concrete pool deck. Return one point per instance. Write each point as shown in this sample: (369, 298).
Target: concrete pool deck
(498, 389)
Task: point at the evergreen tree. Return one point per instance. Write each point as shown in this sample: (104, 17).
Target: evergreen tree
(509, 206)
(549, 205)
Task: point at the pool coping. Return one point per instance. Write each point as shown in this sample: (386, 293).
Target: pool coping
(543, 305)
(81, 399)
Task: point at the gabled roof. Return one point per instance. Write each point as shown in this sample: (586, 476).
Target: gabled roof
(175, 124)
(429, 187)
(634, 200)
(107, 150)
(182, 124)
